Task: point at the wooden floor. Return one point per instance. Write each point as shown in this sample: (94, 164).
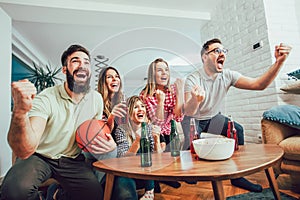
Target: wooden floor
(203, 190)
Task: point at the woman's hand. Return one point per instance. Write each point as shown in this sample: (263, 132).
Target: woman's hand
(179, 85)
(119, 110)
(134, 147)
(156, 137)
(160, 96)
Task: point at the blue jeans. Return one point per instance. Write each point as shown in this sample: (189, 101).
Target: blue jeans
(92, 158)
(215, 125)
(74, 175)
(125, 188)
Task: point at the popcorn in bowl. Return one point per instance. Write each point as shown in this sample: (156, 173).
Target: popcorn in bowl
(214, 148)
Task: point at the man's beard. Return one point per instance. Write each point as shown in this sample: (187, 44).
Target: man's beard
(75, 87)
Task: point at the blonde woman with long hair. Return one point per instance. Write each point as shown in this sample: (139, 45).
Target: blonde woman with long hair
(128, 144)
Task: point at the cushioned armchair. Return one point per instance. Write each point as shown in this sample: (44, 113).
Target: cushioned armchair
(280, 125)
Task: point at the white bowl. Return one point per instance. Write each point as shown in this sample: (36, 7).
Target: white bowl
(210, 135)
(215, 148)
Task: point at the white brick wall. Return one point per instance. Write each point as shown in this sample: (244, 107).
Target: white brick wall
(283, 26)
(240, 24)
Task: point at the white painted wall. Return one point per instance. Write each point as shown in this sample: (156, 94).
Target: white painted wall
(5, 57)
(283, 26)
(240, 24)
(297, 7)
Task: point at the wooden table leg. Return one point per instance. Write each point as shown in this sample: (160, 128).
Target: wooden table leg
(272, 182)
(218, 190)
(108, 186)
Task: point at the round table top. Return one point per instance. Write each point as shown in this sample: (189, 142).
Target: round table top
(248, 159)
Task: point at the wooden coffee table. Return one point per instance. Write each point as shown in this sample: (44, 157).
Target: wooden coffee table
(247, 160)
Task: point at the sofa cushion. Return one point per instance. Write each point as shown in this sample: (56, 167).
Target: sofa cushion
(292, 87)
(294, 74)
(291, 147)
(290, 167)
(285, 114)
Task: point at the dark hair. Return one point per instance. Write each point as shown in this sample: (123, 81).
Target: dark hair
(70, 50)
(209, 42)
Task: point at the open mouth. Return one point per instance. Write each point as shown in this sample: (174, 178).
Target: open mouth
(114, 85)
(81, 75)
(220, 62)
(140, 115)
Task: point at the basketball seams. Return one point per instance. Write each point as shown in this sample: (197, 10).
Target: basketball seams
(84, 142)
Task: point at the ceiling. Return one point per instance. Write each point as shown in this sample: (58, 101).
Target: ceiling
(123, 31)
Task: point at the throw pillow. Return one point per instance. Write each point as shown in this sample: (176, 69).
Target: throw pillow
(292, 87)
(285, 114)
(295, 74)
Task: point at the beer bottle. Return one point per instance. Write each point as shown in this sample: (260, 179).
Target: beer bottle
(145, 150)
(193, 134)
(123, 120)
(174, 140)
(231, 132)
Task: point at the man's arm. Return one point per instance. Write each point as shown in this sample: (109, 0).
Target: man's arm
(24, 133)
(260, 83)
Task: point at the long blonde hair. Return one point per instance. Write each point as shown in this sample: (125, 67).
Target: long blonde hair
(150, 87)
(131, 101)
(109, 100)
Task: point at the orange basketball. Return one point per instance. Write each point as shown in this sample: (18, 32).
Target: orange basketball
(88, 130)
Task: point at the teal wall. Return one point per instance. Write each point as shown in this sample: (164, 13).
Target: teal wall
(19, 69)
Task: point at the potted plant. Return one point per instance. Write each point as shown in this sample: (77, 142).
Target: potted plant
(44, 77)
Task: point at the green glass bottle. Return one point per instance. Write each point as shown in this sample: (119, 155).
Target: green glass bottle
(174, 140)
(145, 150)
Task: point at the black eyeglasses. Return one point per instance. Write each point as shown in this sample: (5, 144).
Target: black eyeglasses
(218, 51)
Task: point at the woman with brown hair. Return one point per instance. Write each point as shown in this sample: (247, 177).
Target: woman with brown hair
(164, 101)
(110, 87)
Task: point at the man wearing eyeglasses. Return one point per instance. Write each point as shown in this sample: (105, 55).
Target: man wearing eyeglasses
(205, 92)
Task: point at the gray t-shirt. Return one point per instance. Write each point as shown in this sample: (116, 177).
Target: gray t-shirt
(215, 90)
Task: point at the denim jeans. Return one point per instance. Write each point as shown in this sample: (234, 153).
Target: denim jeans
(215, 125)
(74, 175)
(94, 157)
(125, 188)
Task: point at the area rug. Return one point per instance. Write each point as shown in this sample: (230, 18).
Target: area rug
(266, 194)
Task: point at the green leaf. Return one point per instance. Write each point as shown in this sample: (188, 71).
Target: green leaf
(43, 77)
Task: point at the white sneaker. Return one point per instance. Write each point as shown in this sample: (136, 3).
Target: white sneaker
(149, 195)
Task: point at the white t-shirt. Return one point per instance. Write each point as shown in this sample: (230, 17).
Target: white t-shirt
(215, 90)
